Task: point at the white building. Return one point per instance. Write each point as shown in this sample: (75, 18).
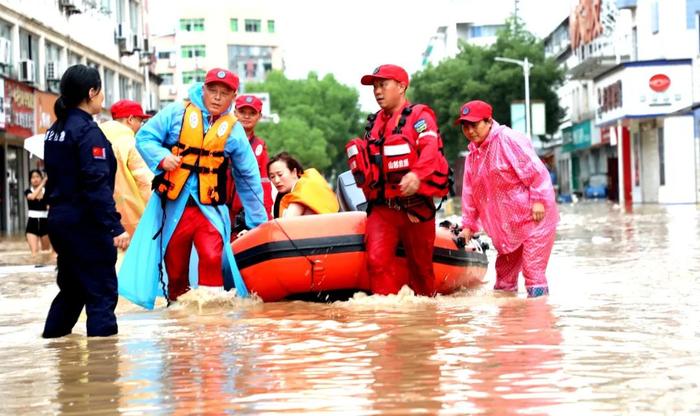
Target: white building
(238, 35)
(39, 39)
(634, 65)
(462, 23)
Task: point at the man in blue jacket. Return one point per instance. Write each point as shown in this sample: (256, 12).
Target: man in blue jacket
(189, 146)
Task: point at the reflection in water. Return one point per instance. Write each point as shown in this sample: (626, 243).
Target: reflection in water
(403, 366)
(88, 371)
(618, 335)
(521, 356)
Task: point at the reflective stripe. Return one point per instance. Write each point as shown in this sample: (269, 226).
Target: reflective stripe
(428, 133)
(352, 151)
(399, 149)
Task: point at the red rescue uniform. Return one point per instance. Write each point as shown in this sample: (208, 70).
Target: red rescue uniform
(236, 207)
(388, 222)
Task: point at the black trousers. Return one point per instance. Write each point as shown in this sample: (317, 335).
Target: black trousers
(86, 278)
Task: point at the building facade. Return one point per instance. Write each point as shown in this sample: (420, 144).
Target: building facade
(632, 96)
(39, 39)
(479, 29)
(240, 36)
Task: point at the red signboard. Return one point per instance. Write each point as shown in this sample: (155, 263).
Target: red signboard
(19, 118)
(659, 82)
(44, 110)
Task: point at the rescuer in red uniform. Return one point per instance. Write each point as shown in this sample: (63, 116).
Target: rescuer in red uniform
(249, 112)
(406, 170)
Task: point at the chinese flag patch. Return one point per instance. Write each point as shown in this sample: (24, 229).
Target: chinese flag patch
(99, 152)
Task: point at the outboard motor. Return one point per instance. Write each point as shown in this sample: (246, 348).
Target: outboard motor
(350, 196)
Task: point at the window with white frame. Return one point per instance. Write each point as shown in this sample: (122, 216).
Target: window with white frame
(108, 84)
(123, 88)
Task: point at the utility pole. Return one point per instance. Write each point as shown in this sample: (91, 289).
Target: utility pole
(526, 65)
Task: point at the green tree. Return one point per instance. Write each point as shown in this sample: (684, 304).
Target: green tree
(317, 118)
(474, 74)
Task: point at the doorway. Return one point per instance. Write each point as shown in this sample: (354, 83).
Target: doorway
(650, 164)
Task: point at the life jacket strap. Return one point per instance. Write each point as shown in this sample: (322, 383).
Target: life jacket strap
(202, 169)
(186, 150)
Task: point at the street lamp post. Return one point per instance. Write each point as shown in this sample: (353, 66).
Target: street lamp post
(526, 65)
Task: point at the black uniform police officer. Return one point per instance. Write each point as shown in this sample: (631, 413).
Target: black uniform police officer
(83, 222)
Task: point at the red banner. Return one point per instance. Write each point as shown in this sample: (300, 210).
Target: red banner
(19, 119)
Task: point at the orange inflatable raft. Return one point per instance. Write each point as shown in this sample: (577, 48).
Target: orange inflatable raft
(321, 256)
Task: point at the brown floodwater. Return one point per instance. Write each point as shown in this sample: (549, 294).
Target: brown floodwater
(619, 334)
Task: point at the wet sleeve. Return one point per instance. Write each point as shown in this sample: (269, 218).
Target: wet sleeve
(246, 174)
(95, 179)
(426, 129)
(469, 213)
(529, 168)
(150, 140)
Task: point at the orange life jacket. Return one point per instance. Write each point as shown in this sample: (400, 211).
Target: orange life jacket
(202, 154)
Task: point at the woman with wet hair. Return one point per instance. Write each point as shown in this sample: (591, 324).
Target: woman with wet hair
(83, 224)
(299, 191)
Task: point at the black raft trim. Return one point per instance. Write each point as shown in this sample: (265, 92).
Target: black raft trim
(343, 244)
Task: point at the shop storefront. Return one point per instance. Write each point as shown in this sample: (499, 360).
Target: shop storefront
(645, 107)
(16, 124)
(587, 163)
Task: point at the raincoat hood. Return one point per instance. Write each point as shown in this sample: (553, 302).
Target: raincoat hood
(196, 96)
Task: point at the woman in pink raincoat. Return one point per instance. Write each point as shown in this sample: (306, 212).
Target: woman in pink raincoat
(508, 191)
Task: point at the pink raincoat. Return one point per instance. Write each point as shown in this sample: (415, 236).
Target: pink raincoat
(503, 178)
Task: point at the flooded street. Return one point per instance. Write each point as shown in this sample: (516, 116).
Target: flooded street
(619, 334)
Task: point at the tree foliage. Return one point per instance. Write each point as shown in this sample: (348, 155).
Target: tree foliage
(317, 118)
(474, 74)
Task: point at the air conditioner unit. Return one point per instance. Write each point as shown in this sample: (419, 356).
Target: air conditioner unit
(121, 32)
(172, 63)
(172, 90)
(69, 6)
(53, 72)
(135, 43)
(125, 41)
(5, 51)
(26, 70)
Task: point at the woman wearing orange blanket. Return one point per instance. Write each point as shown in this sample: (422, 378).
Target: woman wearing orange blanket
(299, 191)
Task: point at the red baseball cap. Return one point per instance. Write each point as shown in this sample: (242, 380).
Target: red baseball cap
(387, 71)
(223, 76)
(249, 101)
(126, 108)
(474, 111)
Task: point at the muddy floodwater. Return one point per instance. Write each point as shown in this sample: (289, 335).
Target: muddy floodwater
(619, 334)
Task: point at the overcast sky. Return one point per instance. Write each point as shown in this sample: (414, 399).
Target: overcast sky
(350, 38)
